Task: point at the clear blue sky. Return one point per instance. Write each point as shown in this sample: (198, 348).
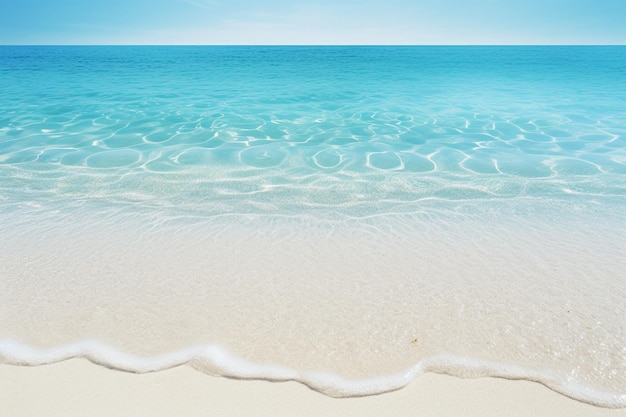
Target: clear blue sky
(312, 22)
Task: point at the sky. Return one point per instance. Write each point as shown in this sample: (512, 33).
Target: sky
(312, 22)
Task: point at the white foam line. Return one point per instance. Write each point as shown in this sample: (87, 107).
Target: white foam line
(214, 360)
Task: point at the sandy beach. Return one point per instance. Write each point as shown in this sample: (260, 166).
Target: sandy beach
(79, 388)
(166, 295)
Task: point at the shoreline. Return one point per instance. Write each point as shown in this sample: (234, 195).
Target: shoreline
(531, 297)
(214, 361)
(76, 388)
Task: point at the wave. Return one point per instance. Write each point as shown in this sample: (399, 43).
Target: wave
(216, 361)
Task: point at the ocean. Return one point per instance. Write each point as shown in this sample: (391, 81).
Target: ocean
(348, 217)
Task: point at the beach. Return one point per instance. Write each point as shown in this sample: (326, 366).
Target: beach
(357, 229)
(318, 310)
(78, 388)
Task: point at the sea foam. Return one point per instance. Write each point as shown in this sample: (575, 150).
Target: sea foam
(216, 361)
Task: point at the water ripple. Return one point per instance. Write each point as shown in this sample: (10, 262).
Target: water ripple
(284, 137)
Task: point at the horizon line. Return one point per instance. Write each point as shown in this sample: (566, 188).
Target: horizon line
(316, 45)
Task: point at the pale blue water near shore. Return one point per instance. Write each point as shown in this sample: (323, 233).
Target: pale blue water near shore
(482, 175)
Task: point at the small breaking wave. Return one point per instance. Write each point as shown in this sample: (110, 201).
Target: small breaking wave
(215, 360)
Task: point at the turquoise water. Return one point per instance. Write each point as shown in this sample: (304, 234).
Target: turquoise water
(213, 130)
(346, 217)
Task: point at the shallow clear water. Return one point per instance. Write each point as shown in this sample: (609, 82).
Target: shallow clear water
(438, 179)
(282, 129)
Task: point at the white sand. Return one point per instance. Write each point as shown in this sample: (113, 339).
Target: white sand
(79, 388)
(356, 302)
